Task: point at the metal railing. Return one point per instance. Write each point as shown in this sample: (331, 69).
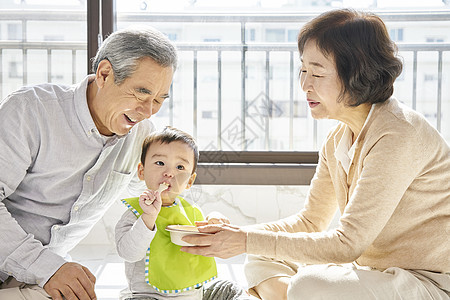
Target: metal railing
(297, 169)
(24, 45)
(245, 47)
(49, 47)
(219, 167)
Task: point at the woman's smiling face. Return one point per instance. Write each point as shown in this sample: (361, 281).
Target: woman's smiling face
(319, 80)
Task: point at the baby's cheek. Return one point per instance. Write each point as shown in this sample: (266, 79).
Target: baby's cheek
(150, 184)
(182, 180)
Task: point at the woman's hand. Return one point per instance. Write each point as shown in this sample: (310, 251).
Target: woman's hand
(225, 242)
(150, 202)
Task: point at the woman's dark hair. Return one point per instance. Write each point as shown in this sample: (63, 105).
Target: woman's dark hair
(365, 56)
(168, 135)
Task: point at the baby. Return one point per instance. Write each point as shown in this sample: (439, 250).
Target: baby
(155, 267)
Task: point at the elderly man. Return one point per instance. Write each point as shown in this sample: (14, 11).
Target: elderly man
(67, 153)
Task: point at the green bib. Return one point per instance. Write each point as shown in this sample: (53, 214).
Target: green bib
(167, 269)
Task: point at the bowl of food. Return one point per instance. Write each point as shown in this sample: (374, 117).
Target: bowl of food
(177, 232)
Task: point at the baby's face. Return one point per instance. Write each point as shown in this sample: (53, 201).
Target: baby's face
(171, 164)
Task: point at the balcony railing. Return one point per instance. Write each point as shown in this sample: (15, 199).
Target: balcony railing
(222, 167)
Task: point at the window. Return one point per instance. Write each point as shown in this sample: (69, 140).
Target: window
(264, 61)
(15, 69)
(292, 35)
(211, 40)
(251, 36)
(14, 32)
(430, 77)
(37, 41)
(172, 36)
(396, 34)
(275, 35)
(209, 114)
(434, 39)
(50, 38)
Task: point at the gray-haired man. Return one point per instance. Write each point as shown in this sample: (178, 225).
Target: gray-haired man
(67, 153)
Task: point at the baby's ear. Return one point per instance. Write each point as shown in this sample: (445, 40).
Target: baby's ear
(191, 180)
(140, 171)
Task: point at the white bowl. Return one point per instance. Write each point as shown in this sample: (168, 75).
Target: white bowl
(177, 232)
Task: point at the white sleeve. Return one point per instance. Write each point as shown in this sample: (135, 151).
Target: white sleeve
(132, 237)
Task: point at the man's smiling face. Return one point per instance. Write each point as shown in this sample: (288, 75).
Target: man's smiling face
(118, 108)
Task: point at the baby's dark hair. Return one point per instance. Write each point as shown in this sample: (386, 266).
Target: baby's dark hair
(168, 135)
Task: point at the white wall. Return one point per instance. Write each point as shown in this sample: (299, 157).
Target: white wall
(243, 205)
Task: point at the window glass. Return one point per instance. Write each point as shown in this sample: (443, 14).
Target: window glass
(260, 105)
(42, 41)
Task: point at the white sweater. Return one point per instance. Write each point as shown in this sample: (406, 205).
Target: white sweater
(394, 203)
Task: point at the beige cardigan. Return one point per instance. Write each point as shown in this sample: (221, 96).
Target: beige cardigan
(395, 202)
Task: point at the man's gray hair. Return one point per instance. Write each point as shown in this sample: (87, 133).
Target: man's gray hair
(124, 48)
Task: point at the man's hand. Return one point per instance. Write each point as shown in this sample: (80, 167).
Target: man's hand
(73, 281)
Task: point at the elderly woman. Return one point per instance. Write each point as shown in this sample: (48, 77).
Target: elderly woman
(383, 166)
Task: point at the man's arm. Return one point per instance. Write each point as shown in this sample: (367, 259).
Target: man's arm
(21, 255)
(27, 260)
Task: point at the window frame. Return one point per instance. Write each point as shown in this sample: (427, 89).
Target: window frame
(232, 167)
(221, 167)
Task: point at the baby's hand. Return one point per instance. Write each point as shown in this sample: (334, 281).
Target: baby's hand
(150, 202)
(213, 218)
